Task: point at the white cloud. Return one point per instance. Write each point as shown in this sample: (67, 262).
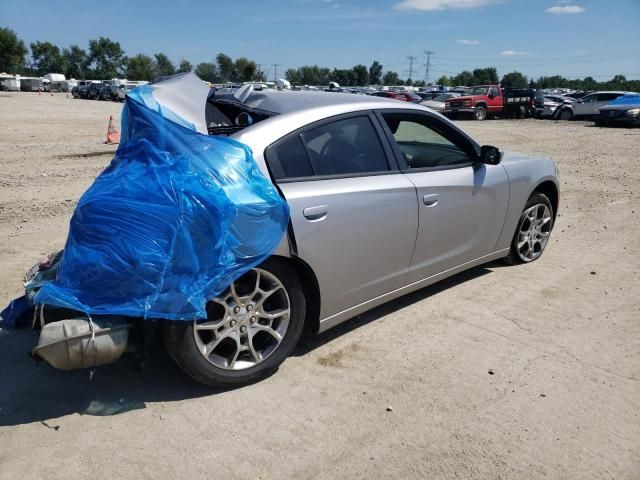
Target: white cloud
(468, 42)
(431, 5)
(509, 53)
(565, 10)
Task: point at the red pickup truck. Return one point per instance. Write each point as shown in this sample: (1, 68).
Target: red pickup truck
(484, 100)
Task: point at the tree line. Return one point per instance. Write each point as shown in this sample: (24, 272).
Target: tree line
(105, 58)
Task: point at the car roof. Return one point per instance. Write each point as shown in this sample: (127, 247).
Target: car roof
(288, 101)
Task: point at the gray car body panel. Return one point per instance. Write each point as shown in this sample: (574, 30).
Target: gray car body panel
(372, 238)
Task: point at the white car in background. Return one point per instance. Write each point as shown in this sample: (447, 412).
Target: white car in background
(437, 103)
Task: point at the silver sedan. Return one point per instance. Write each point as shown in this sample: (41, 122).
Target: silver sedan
(385, 198)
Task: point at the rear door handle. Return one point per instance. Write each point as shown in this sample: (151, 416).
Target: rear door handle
(316, 214)
(430, 200)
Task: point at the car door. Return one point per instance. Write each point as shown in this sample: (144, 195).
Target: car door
(495, 100)
(354, 215)
(462, 203)
(586, 105)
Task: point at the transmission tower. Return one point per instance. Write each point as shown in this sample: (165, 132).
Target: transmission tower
(275, 71)
(427, 66)
(411, 60)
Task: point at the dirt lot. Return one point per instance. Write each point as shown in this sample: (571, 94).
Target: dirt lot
(561, 336)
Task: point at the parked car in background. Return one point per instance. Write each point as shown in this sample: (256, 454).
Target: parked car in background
(106, 92)
(428, 95)
(438, 102)
(123, 89)
(93, 93)
(398, 95)
(549, 105)
(489, 100)
(623, 111)
(587, 106)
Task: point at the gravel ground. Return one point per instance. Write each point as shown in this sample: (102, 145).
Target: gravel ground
(518, 372)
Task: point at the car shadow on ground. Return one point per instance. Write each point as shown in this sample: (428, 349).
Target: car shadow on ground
(33, 392)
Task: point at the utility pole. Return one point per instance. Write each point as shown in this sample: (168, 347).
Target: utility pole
(411, 60)
(275, 71)
(427, 66)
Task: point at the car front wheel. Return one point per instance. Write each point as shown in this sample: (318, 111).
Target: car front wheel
(533, 231)
(249, 331)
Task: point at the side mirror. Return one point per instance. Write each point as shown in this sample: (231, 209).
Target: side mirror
(490, 155)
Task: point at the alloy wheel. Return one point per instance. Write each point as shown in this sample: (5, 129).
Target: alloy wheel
(533, 235)
(245, 324)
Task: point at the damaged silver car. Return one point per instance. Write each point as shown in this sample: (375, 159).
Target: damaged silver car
(385, 198)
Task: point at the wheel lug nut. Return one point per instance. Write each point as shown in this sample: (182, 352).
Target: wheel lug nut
(252, 319)
(243, 329)
(232, 323)
(249, 307)
(236, 310)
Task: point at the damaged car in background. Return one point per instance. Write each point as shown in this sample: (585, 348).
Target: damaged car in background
(266, 213)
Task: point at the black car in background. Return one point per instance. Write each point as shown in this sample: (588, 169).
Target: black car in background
(624, 111)
(93, 93)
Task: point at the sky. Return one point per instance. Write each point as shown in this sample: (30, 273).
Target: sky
(600, 38)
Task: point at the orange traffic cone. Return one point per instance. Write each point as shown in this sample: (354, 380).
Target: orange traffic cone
(113, 136)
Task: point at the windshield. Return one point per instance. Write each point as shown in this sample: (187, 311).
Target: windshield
(478, 91)
(443, 97)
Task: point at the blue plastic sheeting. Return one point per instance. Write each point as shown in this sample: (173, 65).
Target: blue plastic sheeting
(627, 100)
(172, 221)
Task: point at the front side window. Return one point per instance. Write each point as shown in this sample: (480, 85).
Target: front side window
(422, 146)
(349, 146)
(590, 98)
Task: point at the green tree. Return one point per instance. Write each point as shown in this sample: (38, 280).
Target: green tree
(409, 82)
(106, 58)
(464, 78)
(360, 75)
(12, 52)
(140, 67)
(245, 69)
(485, 76)
(294, 76)
(75, 62)
(444, 80)
(164, 66)
(344, 77)
(391, 78)
(375, 73)
(185, 66)
(226, 68)
(618, 80)
(514, 80)
(46, 58)
(207, 72)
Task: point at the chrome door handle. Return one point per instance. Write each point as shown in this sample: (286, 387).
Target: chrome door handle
(317, 213)
(430, 200)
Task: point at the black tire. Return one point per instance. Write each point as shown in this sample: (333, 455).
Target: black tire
(181, 344)
(480, 113)
(536, 198)
(565, 114)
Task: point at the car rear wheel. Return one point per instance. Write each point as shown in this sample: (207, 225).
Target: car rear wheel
(533, 231)
(480, 113)
(249, 331)
(566, 114)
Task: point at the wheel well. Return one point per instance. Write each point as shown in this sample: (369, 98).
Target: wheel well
(551, 191)
(483, 105)
(311, 289)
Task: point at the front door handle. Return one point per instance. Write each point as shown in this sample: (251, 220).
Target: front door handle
(430, 200)
(316, 214)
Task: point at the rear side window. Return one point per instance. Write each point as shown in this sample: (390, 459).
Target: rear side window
(607, 97)
(349, 146)
(289, 160)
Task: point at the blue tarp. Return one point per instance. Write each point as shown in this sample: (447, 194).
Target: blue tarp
(173, 220)
(633, 99)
